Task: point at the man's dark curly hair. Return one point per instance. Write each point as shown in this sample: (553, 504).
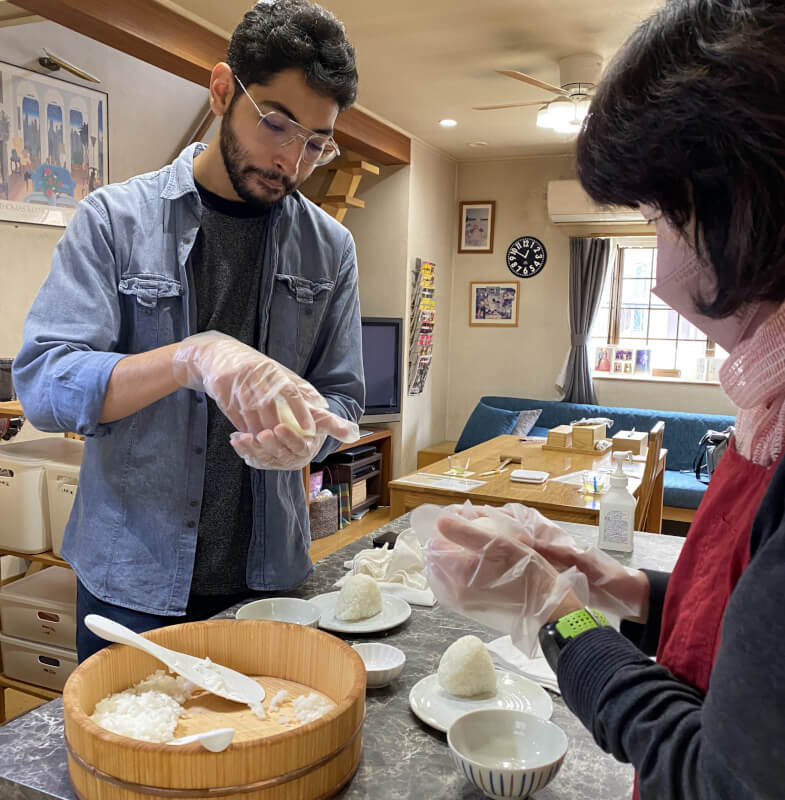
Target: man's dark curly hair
(690, 118)
(285, 34)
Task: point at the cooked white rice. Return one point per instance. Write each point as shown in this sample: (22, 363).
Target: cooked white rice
(308, 707)
(466, 669)
(148, 711)
(359, 598)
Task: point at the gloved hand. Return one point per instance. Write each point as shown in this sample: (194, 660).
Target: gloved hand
(285, 449)
(282, 419)
(477, 568)
(613, 588)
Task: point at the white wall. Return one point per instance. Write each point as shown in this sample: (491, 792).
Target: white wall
(432, 236)
(150, 113)
(524, 361)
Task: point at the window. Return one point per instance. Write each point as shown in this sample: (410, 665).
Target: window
(631, 318)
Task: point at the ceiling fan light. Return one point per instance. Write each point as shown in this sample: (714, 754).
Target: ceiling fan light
(582, 109)
(571, 127)
(561, 110)
(543, 118)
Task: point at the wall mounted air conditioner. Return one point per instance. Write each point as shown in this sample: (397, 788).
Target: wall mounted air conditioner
(568, 203)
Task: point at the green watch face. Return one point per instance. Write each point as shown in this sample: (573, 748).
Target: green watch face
(572, 625)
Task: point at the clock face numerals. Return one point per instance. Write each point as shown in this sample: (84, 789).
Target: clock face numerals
(526, 257)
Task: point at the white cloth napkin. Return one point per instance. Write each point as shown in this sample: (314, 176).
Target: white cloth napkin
(399, 571)
(507, 656)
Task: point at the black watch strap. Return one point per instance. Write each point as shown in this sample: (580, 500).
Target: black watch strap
(555, 636)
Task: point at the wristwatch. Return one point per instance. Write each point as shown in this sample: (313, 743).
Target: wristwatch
(554, 636)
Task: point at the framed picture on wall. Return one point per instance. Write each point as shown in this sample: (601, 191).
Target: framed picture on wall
(494, 304)
(54, 145)
(475, 226)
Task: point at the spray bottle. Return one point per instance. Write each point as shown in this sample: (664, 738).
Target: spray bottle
(617, 512)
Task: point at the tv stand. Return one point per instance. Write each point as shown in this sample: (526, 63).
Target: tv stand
(382, 437)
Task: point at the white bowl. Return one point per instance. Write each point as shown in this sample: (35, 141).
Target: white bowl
(383, 662)
(506, 753)
(281, 609)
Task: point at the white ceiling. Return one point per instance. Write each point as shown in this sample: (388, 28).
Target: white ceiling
(423, 60)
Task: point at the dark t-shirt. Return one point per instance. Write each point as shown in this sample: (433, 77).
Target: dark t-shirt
(225, 263)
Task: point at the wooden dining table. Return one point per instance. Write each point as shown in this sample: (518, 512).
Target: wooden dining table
(555, 499)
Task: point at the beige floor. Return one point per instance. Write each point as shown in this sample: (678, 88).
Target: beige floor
(17, 703)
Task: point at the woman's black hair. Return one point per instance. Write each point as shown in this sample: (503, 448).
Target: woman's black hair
(690, 118)
(283, 34)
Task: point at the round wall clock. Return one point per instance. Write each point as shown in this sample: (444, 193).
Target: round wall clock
(526, 256)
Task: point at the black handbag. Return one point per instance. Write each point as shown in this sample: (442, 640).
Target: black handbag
(710, 449)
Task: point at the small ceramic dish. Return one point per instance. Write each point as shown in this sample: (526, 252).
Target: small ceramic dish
(383, 662)
(506, 753)
(281, 609)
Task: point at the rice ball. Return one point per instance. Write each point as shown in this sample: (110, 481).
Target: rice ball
(359, 598)
(466, 669)
(485, 524)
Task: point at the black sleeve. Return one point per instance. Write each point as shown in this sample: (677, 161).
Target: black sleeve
(686, 746)
(646, 637)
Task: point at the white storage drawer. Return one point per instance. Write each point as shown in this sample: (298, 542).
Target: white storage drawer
(41, 607)
(24, 503)
(62, 481)
(36, 663)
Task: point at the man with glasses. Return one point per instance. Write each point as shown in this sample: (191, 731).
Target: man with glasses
(200, 326)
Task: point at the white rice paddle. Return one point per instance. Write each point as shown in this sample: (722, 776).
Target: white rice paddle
(224, 682)
(216, 740)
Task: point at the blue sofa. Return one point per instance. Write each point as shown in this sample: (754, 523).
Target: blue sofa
(683, 431)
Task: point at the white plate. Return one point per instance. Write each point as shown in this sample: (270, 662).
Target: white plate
(439, 709)
(395, 610)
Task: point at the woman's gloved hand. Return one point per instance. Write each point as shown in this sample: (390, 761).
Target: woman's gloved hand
(613, 588)
(477, 568)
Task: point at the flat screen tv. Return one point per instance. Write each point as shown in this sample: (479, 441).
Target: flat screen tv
(382, 348)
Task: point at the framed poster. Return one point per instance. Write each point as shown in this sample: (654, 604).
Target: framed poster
(54, 145)
(494, 304)
(475, 226)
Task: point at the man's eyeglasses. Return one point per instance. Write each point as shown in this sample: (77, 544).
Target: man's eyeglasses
(277, 130)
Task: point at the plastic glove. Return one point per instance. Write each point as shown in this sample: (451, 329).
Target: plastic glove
(613, 588)
(243, 382)
(285, 448)
(492, 577)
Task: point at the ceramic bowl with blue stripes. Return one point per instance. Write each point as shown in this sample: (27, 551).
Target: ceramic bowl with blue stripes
(506, 753)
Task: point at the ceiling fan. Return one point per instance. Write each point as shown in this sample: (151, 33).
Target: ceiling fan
(564, 113)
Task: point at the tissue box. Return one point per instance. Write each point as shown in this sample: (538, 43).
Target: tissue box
(560, 436)
(585, 436)
(632, 441)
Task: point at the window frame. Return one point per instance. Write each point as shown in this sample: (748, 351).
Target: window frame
(615, 307)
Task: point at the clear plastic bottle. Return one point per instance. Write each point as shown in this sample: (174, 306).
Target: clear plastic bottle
(617, 512)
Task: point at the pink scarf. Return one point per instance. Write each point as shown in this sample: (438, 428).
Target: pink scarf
(754, 378)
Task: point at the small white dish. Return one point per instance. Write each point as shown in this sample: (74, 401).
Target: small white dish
(395, 610)
(383, 662)
(281, 609)
(438, 708)
(506, 753)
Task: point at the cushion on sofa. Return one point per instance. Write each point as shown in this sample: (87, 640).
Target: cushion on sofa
(526, 420)
(682, 489)
(484, 423)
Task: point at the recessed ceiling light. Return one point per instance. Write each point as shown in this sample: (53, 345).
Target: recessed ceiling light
(447, 123)
(478, 144)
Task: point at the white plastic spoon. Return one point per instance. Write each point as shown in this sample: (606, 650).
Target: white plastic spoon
(215, 741)
(224, 682)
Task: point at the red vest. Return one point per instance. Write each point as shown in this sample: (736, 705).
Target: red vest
(715, 554)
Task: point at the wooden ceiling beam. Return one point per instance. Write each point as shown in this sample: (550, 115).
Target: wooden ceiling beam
(160, 36)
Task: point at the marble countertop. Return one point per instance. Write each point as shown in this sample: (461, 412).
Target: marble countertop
(402, 757)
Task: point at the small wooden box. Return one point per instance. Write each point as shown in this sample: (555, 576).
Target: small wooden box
(560, 436)
(586, 436)
(633, 441)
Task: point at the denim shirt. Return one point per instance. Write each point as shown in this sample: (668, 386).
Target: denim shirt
(119, 285)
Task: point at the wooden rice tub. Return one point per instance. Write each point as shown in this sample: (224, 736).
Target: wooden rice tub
(314, 760)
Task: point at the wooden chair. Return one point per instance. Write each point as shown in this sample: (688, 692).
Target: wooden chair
(652, 472)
